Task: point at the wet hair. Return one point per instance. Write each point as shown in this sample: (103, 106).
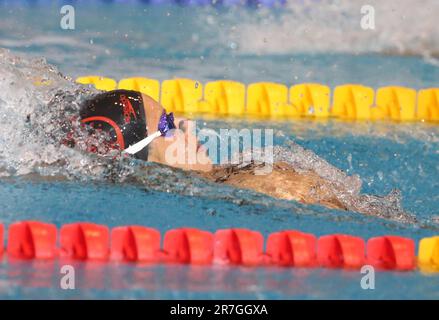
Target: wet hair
(121, 114)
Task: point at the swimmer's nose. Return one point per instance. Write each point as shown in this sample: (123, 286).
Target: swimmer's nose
(185, 125)
(180, 122)
(182, 125)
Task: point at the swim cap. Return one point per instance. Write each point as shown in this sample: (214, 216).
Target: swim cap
(121, 114)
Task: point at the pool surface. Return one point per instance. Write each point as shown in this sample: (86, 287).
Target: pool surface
(206, 43)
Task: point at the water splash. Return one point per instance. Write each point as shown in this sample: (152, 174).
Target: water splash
(403, 27)
(346, 189)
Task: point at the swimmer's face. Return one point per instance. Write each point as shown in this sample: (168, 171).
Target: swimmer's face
(181, 149)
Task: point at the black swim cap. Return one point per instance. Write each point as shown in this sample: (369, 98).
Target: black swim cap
(121, 114)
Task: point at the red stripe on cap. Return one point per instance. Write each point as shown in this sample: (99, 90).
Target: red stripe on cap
(116, 128)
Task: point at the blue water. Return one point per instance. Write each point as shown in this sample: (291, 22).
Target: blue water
(163, 42)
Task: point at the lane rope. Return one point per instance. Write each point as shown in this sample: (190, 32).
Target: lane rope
(275, 100)
(243, 247)
(213, 3)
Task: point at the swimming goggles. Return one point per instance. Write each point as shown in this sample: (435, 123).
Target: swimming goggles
(166, 124)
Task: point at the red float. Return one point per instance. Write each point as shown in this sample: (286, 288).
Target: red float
(1, 238)
(32, 240)
(292, 248)
(392, 253)
(187, 245)
(239, 247)
(84, 241)
(341, 251)
(135, 243)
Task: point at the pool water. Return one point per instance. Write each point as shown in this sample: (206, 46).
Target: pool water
(206, 43)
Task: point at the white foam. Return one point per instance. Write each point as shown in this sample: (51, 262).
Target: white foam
(402, 27)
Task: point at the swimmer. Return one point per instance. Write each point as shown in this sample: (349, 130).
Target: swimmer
(130, 117)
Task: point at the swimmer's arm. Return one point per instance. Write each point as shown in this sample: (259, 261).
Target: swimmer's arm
(283, 182)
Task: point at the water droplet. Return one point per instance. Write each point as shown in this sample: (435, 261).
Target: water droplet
(380, 175)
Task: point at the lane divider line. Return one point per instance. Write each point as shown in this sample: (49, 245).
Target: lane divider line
(236, 246)
(276, 100)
